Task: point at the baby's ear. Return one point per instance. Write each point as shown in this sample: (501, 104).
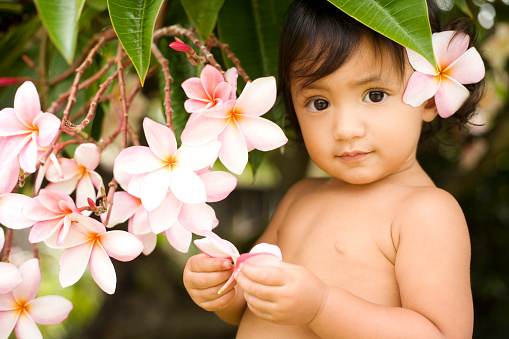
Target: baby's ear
(430, 110)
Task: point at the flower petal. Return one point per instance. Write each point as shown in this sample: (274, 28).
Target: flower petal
(121, 245)
(87, 155)
(179, 237)
(48, 126)
(26, 328)
(7, 322)
(102, 269)
(124, 206)
(42, 230)
(85, 190)
(210, 78)
(138, 160)
(155, 187)
(420, 63)
(161, 218)
(420, 87)
(187, 186)
(197, 157)
(468, 68)
(139, 222)
(450, 96)
(28, 288)
(261, 133)
(28, 157)
(11, 205)
(160, 139)
(233, 152)
(257, 98)
(202, 129)
(26, 103)
(267, 248)
(50, 309)
(69, 168)
(198, 218)
(213, 246)
(73, 262)
(447, 50)
(218, 184)
(10, 124)
(9, 172)
(194, 89)
(11, 277)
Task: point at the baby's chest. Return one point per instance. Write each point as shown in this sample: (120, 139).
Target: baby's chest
(346, 247)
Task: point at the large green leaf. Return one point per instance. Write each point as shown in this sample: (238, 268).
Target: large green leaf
(203, 14)
(463, 6)
(405, 22)
(133, 21)
(60, 18)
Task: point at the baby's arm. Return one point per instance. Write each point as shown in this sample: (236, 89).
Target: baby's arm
(432, 270)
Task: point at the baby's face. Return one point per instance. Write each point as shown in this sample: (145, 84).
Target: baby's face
(354, 122)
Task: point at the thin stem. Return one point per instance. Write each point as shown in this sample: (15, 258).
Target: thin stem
(167, 85)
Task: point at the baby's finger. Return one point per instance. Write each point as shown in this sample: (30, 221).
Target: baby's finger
(204, 263)
(255, 289)
(261, 308)
(265, 275)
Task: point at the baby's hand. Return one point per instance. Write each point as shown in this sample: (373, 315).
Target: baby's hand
(283, 294)
(204, 276)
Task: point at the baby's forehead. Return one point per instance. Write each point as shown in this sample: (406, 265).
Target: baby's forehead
(366, 64)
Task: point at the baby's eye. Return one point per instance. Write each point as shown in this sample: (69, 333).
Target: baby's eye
(318, 105)
(375, 96)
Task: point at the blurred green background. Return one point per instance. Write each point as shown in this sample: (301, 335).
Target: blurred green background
(150, 300)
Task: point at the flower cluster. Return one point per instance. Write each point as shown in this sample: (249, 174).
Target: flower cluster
(166, 188)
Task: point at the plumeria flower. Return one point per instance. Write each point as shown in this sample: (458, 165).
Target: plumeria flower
(9, 171)
(262, 254)
(238, 125)
(10, 276)
(51, 212)
(176, 219)
(209, 90)
(457, 65)
(26, 128)
(21, 310)
(78, 174)
(162, 167)
(90, 244)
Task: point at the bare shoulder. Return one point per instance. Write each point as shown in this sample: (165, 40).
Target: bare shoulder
(430, 210)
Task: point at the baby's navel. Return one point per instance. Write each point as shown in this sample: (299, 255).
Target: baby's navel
(340, 247)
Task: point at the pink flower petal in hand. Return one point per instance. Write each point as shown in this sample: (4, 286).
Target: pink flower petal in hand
(21, 310)
(457, 65)
(27, 126)
(239, 126)
(262, 254)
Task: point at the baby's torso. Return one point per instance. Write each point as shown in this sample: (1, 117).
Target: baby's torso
(345, 237)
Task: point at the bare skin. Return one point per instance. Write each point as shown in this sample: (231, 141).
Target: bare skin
(376, 251)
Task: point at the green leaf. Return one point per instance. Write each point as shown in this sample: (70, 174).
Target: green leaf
(405, 22)
(462, 5)
(60, 18)
(203, 14)
(133, 21)
(252, 30)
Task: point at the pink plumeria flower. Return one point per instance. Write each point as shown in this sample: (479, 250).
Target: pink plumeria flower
(162, 167)
(26, 128)
(90, 244)
(51, 212)
(21, 310)
(209, 90)
(262, 254)
(78, 174)
(238, 125)
(457, 65)
(176, 219)
(10, 276)
(9, 171)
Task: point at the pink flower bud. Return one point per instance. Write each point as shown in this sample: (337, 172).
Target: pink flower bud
(10, 81)
(180, 46)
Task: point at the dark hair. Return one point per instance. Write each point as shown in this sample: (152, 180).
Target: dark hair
(320, 38)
